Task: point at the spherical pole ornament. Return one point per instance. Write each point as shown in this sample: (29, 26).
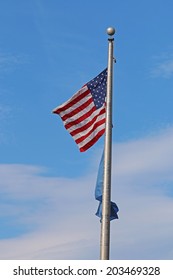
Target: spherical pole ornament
(110, 31)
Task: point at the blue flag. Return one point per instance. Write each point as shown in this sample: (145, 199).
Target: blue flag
(98, 194)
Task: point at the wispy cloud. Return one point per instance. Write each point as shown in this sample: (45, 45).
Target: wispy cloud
(163, 66)
(163, 69)
(9, 61)
(58, 213)
(4, 111)
(143, 187)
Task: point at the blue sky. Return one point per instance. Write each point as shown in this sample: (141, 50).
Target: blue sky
(48, 50)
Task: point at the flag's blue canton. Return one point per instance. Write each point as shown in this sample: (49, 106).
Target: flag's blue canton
(98, 88)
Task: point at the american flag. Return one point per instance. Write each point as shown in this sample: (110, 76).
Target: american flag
(83, 115)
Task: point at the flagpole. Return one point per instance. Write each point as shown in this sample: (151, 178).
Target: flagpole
(105, 222)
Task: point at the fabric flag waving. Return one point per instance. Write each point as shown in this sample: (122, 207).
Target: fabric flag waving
(98, 194)
(83, 115)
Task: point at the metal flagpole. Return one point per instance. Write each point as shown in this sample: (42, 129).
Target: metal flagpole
(105, 222)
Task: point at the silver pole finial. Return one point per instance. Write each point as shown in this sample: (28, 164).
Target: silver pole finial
(110, 31)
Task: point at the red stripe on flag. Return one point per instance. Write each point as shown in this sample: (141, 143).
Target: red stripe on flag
(87, 125)
(93, 141)
(80, 119)
(96, 125)
(72, 102)
(77, 110)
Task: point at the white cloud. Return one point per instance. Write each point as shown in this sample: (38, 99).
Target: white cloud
(164, 69)
(143, 187)
(151, 155)
(59, 212)
(163, 66)
(9, 61)
(5, 112)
